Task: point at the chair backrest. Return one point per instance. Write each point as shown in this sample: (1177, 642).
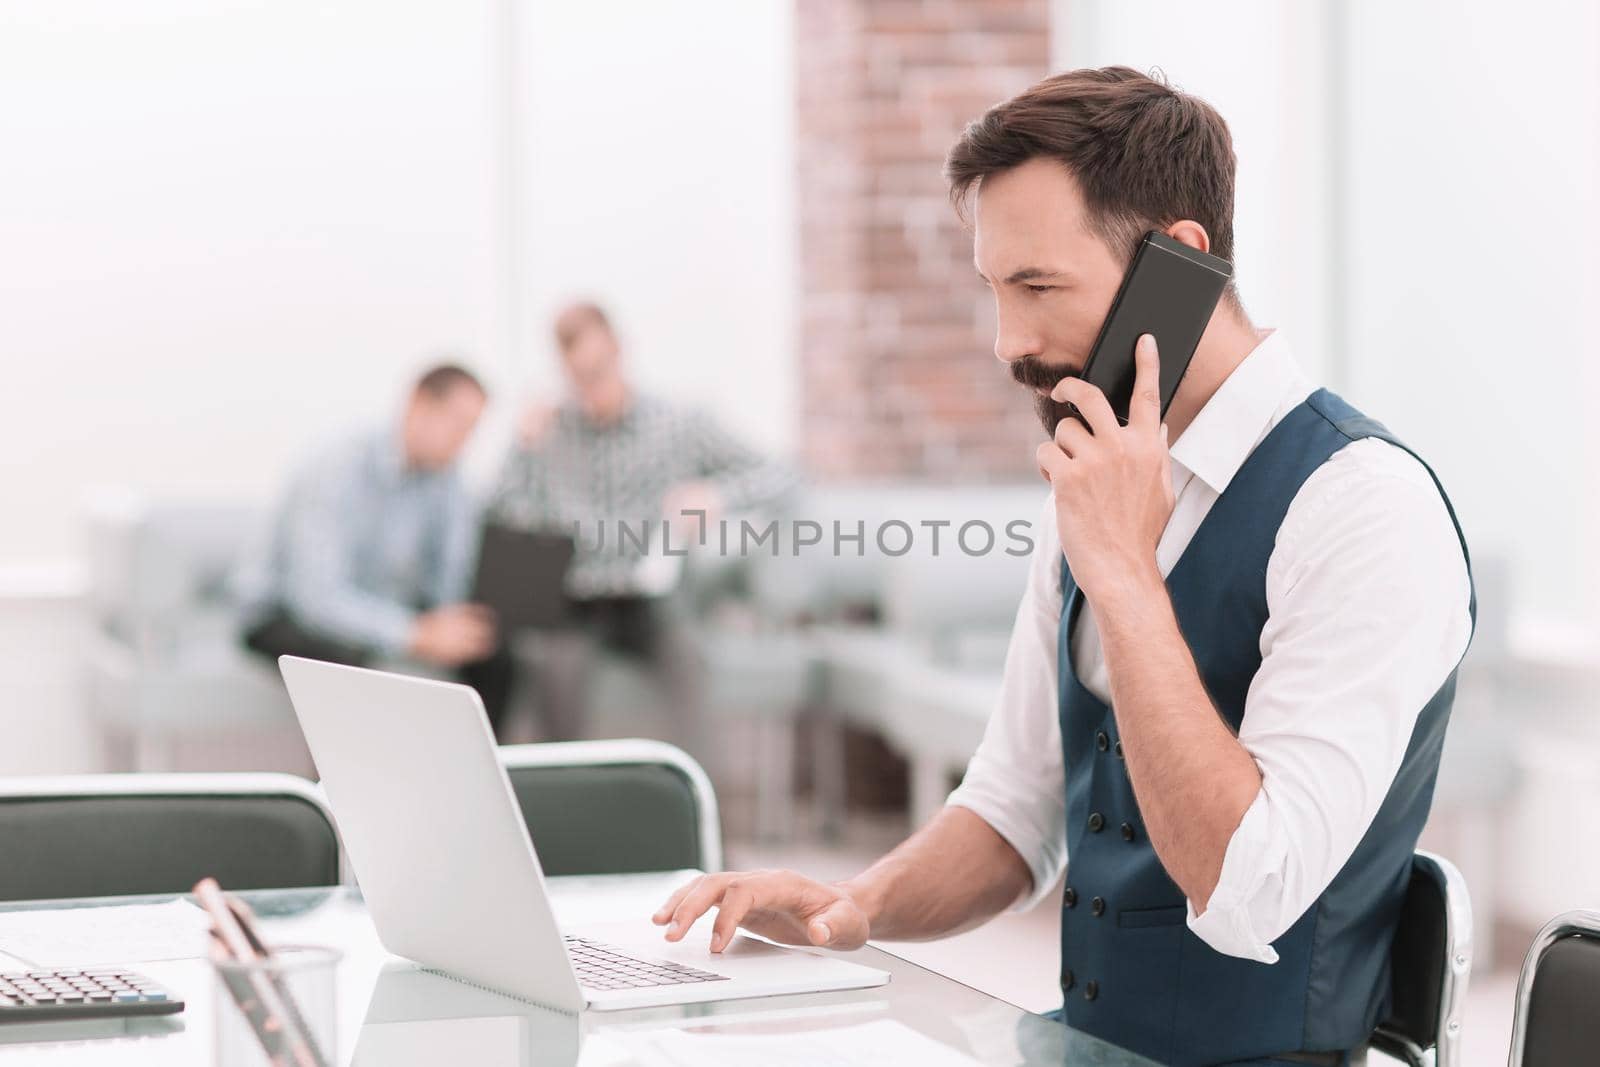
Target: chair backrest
(1556, 1020)
(610, 807)
(157, 567)
(1429, 964)
(129, 834)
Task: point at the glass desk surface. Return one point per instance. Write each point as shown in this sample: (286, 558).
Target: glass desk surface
(391, 1012)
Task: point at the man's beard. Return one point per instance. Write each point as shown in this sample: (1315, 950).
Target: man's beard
(1035, 374)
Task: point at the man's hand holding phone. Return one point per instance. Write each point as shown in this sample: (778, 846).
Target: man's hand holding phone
(1112, 484)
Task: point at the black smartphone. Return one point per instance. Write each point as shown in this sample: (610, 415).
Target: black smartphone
(1170, 291)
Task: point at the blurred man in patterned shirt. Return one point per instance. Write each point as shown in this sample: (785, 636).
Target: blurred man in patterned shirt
(610, 456)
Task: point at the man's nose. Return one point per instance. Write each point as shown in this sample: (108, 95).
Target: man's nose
(1012, 344)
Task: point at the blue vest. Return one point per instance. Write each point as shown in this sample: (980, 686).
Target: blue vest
(1131, 971)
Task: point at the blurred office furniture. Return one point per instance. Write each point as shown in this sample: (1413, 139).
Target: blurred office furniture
(758, 676)
(884, 634)
(129, 834)
(876, 627)
(905, 639)
(1429, 963)
(763, 677)
(164, 661)
(878, 633)
(614, 807)
(1556, 1022)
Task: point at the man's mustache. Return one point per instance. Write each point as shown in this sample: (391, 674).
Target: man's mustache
(1035, 373)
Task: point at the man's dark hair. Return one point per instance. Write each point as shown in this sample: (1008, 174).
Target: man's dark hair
(1144, 154)
(439, 379)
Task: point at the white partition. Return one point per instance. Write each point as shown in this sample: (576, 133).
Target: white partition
(231, 229)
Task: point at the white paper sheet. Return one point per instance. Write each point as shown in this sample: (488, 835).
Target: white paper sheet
(96, 937)
(875, 1043)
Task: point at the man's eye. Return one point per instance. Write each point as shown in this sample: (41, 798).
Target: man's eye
(1040, 288)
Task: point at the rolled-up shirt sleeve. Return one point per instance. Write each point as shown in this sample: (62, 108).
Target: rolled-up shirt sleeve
(1014, 781)
(1367, 595)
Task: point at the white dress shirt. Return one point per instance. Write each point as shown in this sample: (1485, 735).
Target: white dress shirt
(1367, 598)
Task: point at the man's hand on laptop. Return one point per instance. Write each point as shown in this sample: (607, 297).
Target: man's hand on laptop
(780, 905)
(453, 635)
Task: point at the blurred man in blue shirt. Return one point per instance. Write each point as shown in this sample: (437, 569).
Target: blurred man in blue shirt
(370, 554)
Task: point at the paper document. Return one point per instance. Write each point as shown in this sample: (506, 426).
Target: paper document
(876, 1043)
(95, 937)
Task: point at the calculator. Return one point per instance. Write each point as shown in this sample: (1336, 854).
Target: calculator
(97, 993)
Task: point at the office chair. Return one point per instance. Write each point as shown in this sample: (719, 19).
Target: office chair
(162, 660)
(610, 807)
(99, 835)
(1558, 992)
(1429, 965)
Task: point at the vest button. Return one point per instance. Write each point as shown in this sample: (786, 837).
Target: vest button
(1118, 749)
(1098, 906)
(1101, 741)
(1127, 832)
(1097, 822)
(1067, 981)
(1070, 897)
(1091, 989)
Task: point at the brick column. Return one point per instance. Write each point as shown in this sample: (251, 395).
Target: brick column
(898, 377)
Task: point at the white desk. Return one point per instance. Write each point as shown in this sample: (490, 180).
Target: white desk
(392, 1013)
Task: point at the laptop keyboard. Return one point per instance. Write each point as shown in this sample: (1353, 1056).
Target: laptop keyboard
(600, 966)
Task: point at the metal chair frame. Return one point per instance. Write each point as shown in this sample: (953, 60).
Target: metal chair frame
(1562, 926)
(1446, 1047)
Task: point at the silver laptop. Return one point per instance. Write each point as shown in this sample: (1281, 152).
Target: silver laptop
(440, 848)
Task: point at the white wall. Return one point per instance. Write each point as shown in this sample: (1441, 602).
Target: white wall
(660, 153)
(229, 229)
(1474, 214)
(1474, 222)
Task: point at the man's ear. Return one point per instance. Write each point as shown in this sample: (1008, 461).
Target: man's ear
(1191, 233)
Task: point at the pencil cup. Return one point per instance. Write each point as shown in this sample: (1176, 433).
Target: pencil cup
(278, 1011)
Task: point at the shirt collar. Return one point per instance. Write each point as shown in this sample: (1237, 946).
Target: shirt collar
(1242, 411)
(624, 421)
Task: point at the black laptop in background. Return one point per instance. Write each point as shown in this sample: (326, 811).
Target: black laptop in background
(522, 577)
